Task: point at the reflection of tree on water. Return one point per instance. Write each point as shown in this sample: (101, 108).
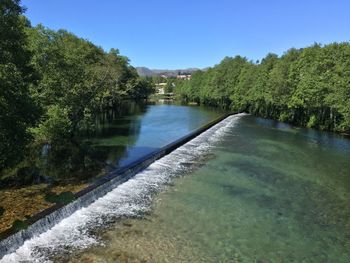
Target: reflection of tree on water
(80, 160)
(64, 163)
(116, 130)
(114, 121)
(52, 172)
(87, 159)
(72, 162)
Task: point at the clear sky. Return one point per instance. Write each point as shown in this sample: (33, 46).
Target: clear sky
(196, 33)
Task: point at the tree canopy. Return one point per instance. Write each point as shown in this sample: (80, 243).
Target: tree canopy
(17, 108)
(306, 87)
(53, 83)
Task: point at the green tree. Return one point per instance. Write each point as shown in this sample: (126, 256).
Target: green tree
(306, 87)
(79, 78)
(17, 109)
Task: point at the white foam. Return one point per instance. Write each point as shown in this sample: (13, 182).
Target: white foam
(129, 199)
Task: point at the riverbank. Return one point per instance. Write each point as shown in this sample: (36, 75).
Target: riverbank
(307, 87)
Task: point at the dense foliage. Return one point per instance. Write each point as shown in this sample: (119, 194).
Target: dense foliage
(17, 108)
(307, 87)
(53, 83)
(76, 80)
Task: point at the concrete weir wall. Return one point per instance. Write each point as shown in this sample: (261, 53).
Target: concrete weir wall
(46, 219)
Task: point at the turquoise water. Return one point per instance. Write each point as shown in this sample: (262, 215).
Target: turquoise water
(246, 190)
(266, 192)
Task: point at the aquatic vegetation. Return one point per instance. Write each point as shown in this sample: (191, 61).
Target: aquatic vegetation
(62, 198)
(19, 225)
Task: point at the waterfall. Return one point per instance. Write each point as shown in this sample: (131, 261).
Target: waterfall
(126, 195)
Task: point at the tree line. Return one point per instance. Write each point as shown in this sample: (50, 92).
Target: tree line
(307, 87)
(53, 83)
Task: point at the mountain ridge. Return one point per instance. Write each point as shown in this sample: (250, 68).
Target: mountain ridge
(146, 72)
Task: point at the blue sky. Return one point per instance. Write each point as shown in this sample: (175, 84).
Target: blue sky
(193, 33)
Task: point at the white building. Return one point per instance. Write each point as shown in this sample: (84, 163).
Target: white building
(161, 88)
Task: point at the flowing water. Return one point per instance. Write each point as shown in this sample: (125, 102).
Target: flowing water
(246, 190)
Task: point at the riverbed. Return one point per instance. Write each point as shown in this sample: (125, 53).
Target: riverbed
(268, 193)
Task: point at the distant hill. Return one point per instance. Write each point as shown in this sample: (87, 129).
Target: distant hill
(146, 72)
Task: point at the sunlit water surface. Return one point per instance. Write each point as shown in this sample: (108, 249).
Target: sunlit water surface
(247, 190)
(267, 193)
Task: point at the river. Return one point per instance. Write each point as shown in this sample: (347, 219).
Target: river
(246, 190)
(120, 136)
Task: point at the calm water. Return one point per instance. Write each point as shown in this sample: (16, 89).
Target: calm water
(265, 193)
(147, 129)
(121, 137)
(247, 190)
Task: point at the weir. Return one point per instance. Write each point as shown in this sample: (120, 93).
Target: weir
(48, 218)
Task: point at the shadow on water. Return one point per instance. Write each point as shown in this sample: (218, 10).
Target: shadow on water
(81, 160)
(314, 137)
